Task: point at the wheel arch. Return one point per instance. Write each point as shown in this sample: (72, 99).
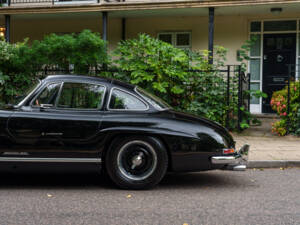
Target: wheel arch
(109, 143)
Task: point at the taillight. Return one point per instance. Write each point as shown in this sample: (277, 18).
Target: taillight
(228, 151)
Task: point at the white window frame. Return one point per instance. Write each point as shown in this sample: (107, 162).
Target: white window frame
(174, 38)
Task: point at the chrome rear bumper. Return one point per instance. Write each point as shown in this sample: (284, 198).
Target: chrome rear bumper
(237, 162)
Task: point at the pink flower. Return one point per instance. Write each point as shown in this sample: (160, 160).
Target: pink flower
(284, 106)
(284, 113)
(295, 89)
(278, 104)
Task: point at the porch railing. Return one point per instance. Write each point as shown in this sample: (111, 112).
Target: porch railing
(231, 85)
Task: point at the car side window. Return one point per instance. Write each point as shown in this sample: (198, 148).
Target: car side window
(81, 96)
(120, 100)
(48, 95)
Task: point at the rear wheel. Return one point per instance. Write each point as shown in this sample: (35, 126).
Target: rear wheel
(137, 162)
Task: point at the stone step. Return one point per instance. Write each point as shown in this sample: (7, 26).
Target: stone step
(263, 130)
(266, 115)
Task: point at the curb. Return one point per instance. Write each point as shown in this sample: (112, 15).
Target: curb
(273, 164)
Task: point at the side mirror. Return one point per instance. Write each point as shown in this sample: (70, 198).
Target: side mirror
(45, 106)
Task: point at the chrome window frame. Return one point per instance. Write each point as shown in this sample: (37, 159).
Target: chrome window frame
(124, 110)
(81, 109)
(30, 94)
(141, 95)
(38, 94)
(55, 106)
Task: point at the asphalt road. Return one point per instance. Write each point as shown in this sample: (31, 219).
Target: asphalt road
(269, 196)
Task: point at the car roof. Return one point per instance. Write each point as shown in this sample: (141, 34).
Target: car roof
(73, 77)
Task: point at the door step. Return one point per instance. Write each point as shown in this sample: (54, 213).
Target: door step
(266, 116)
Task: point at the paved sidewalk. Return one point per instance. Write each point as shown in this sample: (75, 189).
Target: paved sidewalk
(272, 151)
(268, 149)
(271, 148)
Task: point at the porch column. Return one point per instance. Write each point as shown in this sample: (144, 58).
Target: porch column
(104, 33)
(211, 26)
(104, 26)
(123, 29)
(7, 28)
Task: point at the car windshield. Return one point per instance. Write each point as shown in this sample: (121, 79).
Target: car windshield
(153, 100)
(19, 98)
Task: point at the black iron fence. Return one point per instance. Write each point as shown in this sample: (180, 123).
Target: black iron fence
(226, 87)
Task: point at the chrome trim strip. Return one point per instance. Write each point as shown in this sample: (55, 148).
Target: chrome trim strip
(25, 159)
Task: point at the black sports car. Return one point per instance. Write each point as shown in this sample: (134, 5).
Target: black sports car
(135, 136)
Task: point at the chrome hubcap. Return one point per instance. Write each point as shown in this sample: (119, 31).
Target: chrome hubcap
(137, 160)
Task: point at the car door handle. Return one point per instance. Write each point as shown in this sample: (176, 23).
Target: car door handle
(52, 134)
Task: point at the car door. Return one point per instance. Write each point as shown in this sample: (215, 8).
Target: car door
(28, 125)
(78, 114)
(63, 120)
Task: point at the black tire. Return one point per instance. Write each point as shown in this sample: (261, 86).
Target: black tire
(136, 162)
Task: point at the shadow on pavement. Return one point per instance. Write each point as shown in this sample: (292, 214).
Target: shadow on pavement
(212, 179)
(95, 180)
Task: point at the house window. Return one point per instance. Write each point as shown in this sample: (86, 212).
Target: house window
(288, 25)
(255, 27)
(178, 39)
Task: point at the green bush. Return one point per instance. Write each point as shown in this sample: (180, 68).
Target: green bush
(205, 92)
(150, 63)
(289, 122)
(84, 52)
(297, 130)
(21, 63)
(163, 70)
(15, 75)
(156, 66)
